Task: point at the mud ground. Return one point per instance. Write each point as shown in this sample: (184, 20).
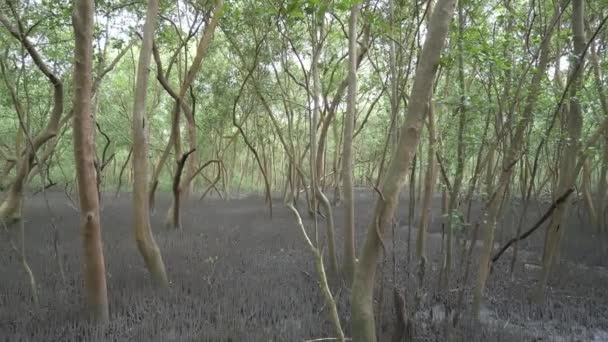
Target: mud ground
(237, 275)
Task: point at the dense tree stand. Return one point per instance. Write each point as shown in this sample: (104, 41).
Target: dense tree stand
(303, 170)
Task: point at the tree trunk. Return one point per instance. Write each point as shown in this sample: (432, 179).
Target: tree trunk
(173, 217)
(347, 161)
(495, 197)
(456, 185)
(568, 172)
(315, 155)
(603, 186)
(589, 204)
(180, 105)
(363, 324)
(10, 209)
(84, 156)
(429, 189)
(143, 232)
(197, 63)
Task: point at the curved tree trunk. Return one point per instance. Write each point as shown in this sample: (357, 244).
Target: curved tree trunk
(10, 209)
(173, 217)
(180, 104)
(197, 62)
(363, 324)
(84, 155)
(316, 151)
(143, 232)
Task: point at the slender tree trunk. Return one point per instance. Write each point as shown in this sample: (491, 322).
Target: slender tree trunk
(589, 203)
(363, 323)
(143, 231)
(347, 160)
(603, 187)
(429, 189)
(603, 184)
(411, 207)
(574, 124)
(495, 197)
(122, 171)
(173, 220)
(457, 184)
(180, 105)
(315, 159)
(337, 162)
(197, 63)
(84, 155)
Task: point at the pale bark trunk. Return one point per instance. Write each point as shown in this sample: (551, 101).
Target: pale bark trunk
(603, 186)
(587, 195)
(315, 159)
(455, 191)
(319, 267)
(180, 105)
(429, 188)
(347, 160)
(84, 155)
(143, 232)
(197, 63)
(10, 209)
(363, 323)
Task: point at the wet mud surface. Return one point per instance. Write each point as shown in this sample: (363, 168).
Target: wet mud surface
(237, 275)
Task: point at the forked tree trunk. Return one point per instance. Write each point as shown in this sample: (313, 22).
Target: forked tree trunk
(84, 155)
(173, 219)
(180, 105)
(347, 160)
(143, 232)
(197, 63)
(10, 210)
(363, 323)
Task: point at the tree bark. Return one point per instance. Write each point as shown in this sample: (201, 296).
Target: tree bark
(568, 164)
(512, 155)
(316, 154)
(429, 189)
(141, 209)
(603, 185)
(173, 221)
(10, 210)
(347, 160)
(363, 324)
(180, 105)
(457, 183)
(84, 156)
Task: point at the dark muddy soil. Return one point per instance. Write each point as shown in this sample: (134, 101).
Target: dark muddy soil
(237, 275)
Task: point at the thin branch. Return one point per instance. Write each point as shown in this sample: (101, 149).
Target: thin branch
(538, 223)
